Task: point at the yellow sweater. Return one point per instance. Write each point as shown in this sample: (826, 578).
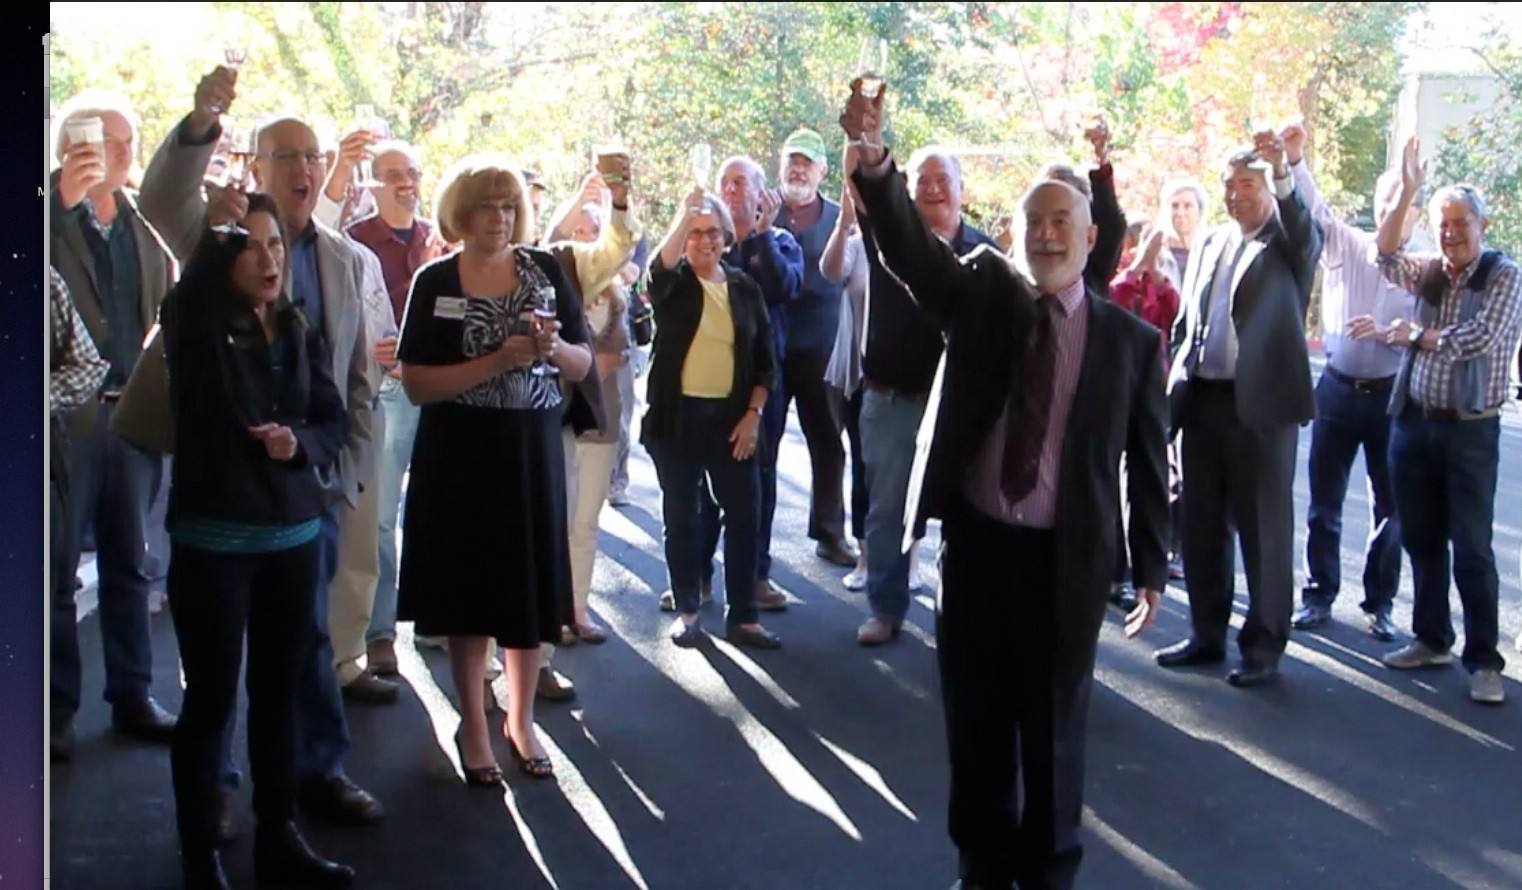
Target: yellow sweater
(709, 372)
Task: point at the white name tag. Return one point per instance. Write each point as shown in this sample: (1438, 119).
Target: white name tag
(449, 307)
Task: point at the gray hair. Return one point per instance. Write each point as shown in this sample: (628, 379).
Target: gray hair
(713, 205)
(1245, 159)
(92, 103)
(397, 146)
(946, 155)
(1173, 187)
(1462, 193)
(1082, 214)
(753, 172)
(1066, 173)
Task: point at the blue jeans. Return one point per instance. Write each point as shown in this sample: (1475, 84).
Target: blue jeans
(773, 423)
(1348, 419)
(396, 455)
(1445, 492)
(889, 424)
(322, 733)
(111, 487)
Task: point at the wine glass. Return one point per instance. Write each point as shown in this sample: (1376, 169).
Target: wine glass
(240, 156)
(544, 315)
(700, 160)
(872, 67)
(366, 119)
(233, 56)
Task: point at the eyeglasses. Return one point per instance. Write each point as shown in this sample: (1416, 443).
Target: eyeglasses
(411, 174)
(713, 234)
(310, 158)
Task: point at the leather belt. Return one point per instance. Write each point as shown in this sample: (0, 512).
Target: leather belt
(891, 392)
(1450, 415)
(1361, 384)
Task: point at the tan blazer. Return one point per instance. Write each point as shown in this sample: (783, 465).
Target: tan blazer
(173, 200)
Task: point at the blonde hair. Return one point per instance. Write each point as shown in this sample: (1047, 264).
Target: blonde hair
(475, 179)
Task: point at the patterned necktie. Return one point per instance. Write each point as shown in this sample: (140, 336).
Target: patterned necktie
(1030, 406)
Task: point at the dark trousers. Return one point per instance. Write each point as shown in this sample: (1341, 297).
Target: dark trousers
(1016, 717)
(111, 486)
(702, 448)
(773, 422)
(859, 489)
(321, 729)
(1350, 417)
(1445, 492)
(1239, 479)
(819, 414)
(64, 633)
(214, 598)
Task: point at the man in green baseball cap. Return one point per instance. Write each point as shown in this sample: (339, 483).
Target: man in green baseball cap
(812, 322)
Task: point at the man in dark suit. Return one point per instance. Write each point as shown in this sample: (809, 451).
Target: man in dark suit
(1043, 387)
(1239, 392)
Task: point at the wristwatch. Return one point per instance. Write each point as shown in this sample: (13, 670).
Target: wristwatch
(1415, 337)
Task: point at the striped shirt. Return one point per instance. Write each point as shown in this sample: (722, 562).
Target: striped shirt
(77, 367)
(1070, 327)
(1492, 333)
(1353, 286)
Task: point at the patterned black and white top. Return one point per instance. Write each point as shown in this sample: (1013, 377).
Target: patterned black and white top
(443, 325)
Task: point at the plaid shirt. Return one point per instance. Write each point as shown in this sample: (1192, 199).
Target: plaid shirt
(1491, 334)
(77, 368)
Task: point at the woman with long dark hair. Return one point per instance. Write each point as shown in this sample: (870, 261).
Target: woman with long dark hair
(258, 425)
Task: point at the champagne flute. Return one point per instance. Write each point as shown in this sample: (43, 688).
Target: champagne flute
(544, 316)
(234, 56)
(872, 67)
(240, 156)
(365, 119)
(700, 161)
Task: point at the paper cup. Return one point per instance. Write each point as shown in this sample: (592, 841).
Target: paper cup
(86, 129)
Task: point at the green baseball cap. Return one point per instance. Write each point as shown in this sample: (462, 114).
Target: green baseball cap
(805, 142)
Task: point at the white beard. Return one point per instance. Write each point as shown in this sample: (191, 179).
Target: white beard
(796, 193)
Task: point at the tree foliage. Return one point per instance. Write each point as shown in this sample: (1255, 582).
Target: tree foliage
(1486, 154)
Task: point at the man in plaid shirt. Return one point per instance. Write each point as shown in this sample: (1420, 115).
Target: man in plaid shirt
(75, 374)
(1447, 400)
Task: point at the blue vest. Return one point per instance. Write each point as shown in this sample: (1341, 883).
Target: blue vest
(814, 318)
(1471, 376)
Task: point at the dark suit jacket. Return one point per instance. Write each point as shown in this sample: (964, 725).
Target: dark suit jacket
(986, 311)
(71, 256)
(1271, 292)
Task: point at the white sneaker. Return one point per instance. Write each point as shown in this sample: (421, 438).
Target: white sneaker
(1416, 654)
(1485, 687)
(856, 580)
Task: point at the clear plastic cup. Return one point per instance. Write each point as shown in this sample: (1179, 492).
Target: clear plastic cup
(89, 130)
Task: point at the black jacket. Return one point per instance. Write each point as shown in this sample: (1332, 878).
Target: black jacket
(677, 298)
(221, 382)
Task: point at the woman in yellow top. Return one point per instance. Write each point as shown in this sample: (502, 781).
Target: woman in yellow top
(711, 367)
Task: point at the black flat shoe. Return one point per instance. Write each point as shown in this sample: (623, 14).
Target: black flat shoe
(1251, 673)
(478, 776)
(1188, 654)
(686, 634)
(282, 858)
(1382, 628)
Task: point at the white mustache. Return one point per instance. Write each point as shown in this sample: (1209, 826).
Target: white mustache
(1047, 247)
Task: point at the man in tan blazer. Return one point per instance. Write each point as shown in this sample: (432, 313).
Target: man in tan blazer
(325, 278)
(118, 269)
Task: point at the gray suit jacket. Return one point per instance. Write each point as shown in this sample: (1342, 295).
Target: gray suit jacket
(70, 255)
(1271, 293)
(173, 200)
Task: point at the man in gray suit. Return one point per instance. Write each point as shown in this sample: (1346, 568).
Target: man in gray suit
(325, 280)
(118, 269)
(1239, 392)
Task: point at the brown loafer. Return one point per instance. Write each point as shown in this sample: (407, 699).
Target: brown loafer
(550, 688)
(769, 598)
(878, 630)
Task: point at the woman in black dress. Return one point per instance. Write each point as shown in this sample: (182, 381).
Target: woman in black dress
(487, 335)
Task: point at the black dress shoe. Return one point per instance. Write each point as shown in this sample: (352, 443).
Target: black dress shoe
(1382, 628)
(1310, 616)
(1123, 596)
(61, 744)
(282, 857)
(202, 870)
(1251, 673)
(338, 801)
(145, 721)
(685, 634)
(369, 689)
(1188, 654)
(756, 638)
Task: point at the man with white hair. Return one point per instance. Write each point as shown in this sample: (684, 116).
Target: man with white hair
(1044, 387)
(1240, 389)
(1445, 445)
(117, 268)
(1351, 401)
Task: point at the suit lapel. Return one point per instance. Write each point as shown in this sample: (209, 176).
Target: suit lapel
(1250, 253)
(1204, 278)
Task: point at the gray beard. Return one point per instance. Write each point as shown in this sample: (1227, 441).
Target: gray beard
(797, 193)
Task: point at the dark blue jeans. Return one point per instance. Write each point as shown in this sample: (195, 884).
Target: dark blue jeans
(1348, 419)
(322, 732)
(702, 448)
(773, 423)
(111, 487)
(1445, 491)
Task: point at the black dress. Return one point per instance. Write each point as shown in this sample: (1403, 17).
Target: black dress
(485, 549)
